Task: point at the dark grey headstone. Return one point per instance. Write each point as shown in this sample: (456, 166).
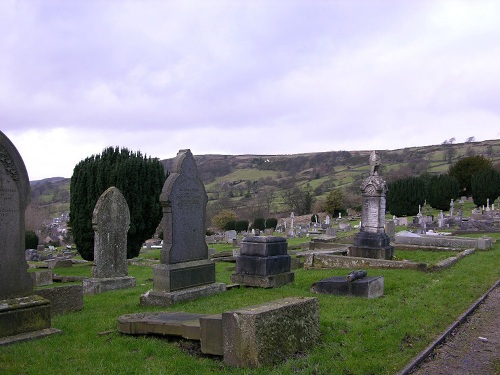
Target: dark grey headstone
(110, 221)
(184, 201)
(14, 194)
(185, 272)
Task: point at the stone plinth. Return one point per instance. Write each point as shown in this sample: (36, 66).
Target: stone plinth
(174, 277)
(269, 333)
(24, 317)
(369, 286)
(263, 262)
(372, 245)
(63, 298)
(102, 285)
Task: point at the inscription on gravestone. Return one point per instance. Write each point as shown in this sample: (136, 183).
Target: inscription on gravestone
(14, 193)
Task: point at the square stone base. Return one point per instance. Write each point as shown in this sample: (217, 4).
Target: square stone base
(160, 298)
(101, 285)
(24, 315)
(272, 281)
(369, 286)
(386, 253)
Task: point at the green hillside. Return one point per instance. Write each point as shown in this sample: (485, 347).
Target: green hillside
(253, 185)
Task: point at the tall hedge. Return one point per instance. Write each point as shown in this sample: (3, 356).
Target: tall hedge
(485, 184)
(441, 190)
(139, 178)
(405, 195)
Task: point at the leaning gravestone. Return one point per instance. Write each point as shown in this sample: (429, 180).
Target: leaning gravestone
(111, 221)
(372, 241)
(185, 272)
(23, 315)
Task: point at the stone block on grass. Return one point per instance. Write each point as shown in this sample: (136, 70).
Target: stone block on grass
(269, 333)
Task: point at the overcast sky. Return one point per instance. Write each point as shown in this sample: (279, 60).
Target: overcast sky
(244, 77)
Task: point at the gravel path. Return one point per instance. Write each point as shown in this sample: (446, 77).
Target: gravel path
(473, 348)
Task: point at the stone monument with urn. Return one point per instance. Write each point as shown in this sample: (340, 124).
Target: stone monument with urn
(372, 241)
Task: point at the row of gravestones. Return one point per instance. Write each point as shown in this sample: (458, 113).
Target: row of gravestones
(184, 273)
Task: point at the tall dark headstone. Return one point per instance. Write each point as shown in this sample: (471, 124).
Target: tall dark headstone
(185, 272)
(111, 222)
(372, 241)
(22, 314)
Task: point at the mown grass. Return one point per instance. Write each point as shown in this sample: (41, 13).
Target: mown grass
(359, 336)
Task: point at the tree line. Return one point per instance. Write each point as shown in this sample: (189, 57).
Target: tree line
(472, 176)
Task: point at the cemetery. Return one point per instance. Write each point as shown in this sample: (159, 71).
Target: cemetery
(363, 295)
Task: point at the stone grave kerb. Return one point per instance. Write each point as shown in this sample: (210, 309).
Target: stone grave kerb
(111, 222)
(15, 281)
(184, 200)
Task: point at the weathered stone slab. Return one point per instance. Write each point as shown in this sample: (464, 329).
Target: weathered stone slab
(161, 298)
(369, 286)
(24, 314)
(63, 298)
(263, 246)
(270, 333)
(162, 323)
(262, 266)
(59, 263)
(272, 281)
(102, 285)
(318, 261)
(445, 241)
(41, 278)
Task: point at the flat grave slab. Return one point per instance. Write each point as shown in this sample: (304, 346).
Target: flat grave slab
(369, 286)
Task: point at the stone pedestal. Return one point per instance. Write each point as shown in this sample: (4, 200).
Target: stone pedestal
(106, 284)
(369, 287)
(24, 318)
(372, 245)
(263, 262)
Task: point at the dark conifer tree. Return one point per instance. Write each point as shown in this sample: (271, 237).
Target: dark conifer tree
(405, 195)
(139, 178)
(485, 185)
(441, 190)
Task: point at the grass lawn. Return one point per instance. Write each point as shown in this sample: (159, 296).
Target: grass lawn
(359, 336)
